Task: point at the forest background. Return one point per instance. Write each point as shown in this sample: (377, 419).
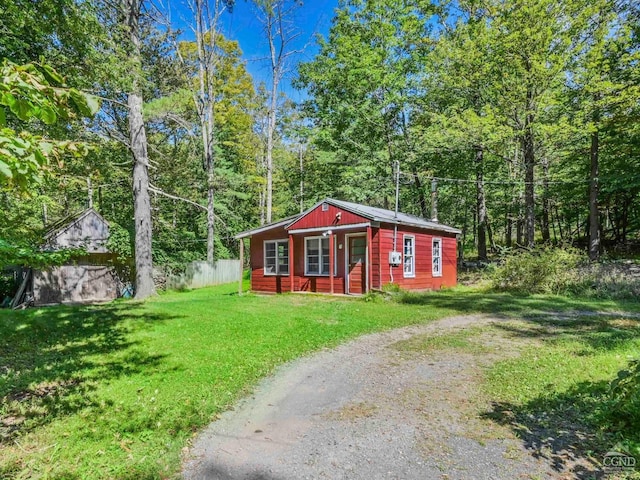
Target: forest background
(522, 115)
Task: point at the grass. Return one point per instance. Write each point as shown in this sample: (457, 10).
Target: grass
(466, 339)
(550, 384)
(555, 393)
(117, 391)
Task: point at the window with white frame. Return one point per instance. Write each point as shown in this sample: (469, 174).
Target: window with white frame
(276, 257)
(316, 256)
(437, 257)
(409, 257)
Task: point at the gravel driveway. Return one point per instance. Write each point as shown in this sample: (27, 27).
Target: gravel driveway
(365, 410)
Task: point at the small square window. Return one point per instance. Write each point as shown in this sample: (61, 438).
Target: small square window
(325, 207)
(276, 257)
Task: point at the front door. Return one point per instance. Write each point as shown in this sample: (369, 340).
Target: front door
(357, 260)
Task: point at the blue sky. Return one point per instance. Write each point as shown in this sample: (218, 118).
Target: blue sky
(242, 24)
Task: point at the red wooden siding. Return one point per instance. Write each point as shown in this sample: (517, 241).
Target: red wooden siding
(259, 281)
(374, 268)
(316, 218)
(282, 283)
(378, 259)
(423, 258)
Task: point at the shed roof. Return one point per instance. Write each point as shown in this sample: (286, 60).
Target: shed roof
(374, 214)
(66, 222)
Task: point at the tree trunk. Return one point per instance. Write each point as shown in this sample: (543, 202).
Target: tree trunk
(301, 181)
(420, 193)
(594, 214)
(481, 207)
(559, 220)
(529, 195)
(141, 199)
(492, 244)
(204, 105)
(271, 128)
(546, 235)
(89, 193)
(138, 140)
(210, 215)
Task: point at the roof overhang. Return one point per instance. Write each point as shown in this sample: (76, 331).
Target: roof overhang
(264, 228)
(330, 227)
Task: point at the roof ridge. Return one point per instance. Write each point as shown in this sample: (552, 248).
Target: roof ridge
(64, 222)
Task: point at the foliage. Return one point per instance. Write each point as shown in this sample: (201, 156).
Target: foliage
(540, 270)
(624, 406)
(563, 270)
(120, 241)
(24, 255)
(36, 91)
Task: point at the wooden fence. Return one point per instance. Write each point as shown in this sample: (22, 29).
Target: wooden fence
(202, 274)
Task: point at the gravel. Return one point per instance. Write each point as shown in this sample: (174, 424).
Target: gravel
(363, 411)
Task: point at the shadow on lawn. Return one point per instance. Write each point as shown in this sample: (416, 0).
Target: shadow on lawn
(571, 429)
(52, 359)
(497, 303)
(561, 429)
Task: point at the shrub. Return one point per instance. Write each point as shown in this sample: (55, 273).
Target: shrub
(624, 407)
(540, 270)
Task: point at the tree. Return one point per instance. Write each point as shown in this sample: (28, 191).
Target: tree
(36, 90)
(206, 30)
(462, 96)
(364, 90)
(277, 19)
(534, 44)
(131, 16)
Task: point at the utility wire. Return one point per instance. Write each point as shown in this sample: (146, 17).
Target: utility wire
(500, 182)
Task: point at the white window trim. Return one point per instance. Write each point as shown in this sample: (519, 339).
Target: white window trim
(335, 257)
(412, 274)
(264, 257)
(433, 241)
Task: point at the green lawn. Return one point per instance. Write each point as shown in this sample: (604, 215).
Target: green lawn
(117, 391)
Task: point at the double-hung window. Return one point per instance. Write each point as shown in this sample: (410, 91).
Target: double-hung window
(409, 257)
(276, 257)
(316, 256)
(437, 257)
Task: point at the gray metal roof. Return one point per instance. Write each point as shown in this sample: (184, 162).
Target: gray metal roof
(269, 226)
(389, 216)
(374, 214)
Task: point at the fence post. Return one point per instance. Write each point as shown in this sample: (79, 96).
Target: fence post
(241, 266)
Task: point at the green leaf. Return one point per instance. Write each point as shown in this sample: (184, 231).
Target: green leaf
(93, 103)
(51, 75)
(3, 118)
(79, 100)
(5, 170)
(22, 109)
(48, 115)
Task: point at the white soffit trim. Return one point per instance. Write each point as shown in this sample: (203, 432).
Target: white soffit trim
(330, 227)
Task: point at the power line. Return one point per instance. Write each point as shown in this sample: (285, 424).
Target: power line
(499, 182)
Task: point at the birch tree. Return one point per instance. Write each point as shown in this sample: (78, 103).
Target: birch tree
(207, 16)
(276, 17)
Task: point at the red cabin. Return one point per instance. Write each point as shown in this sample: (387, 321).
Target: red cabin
(347, 248)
